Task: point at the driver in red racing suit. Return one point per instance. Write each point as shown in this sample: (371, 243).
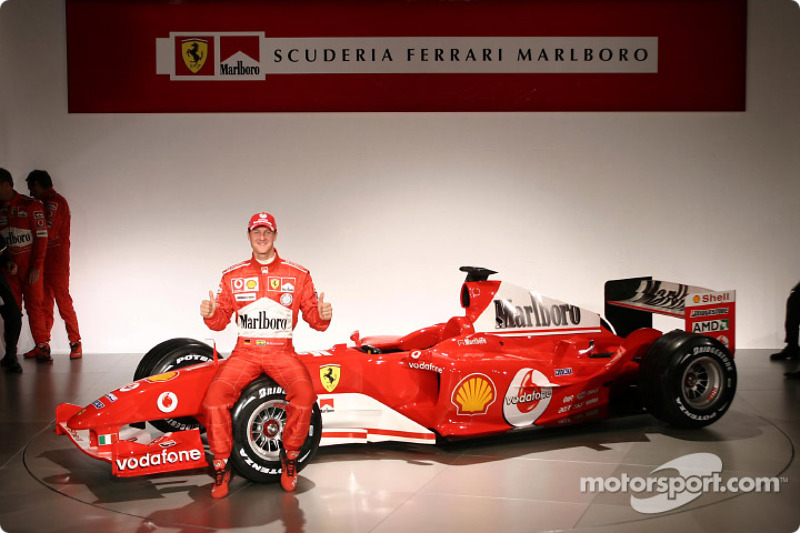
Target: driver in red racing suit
(266, 292)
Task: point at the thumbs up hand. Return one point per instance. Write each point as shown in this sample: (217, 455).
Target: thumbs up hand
(324, 308)
(207, 307)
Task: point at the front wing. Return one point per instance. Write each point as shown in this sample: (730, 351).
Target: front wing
(131, 451)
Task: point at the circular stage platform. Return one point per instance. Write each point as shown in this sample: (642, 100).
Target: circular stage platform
(564, 478)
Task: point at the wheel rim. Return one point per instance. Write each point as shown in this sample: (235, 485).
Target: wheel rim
(702, 383)
(265, 429)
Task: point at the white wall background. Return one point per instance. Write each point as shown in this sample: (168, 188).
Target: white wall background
(384, 208)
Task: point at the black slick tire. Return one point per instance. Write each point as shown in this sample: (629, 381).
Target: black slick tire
(687, 380)
(258, 420)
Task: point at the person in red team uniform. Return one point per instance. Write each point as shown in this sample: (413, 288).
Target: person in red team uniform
(56, 262)
(24, 227)
(266, 293)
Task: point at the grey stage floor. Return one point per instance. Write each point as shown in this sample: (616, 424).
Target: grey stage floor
(513, 484)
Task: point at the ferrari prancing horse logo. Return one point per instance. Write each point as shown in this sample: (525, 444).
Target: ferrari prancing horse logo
(329, 376)
(194, 53)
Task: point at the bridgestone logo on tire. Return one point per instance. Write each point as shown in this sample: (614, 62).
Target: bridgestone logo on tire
(710, 416)
(713, 350)
(255, 466)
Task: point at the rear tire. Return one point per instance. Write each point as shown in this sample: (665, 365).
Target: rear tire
(258, 421)
(687, 380)
(172, 355)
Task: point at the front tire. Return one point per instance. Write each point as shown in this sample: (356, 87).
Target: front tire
(259, 417)
(163, 357)
(687, 380)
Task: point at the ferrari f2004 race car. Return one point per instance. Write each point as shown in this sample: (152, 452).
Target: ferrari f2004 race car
(515, 360)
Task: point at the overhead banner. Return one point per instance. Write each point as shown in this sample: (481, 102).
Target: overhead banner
(417, 55)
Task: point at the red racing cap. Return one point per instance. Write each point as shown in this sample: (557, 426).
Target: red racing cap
(262, 219)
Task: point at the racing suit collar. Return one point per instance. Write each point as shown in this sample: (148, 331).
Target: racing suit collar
(276, 259)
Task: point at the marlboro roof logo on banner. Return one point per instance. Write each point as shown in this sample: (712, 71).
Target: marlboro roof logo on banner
(392, 55)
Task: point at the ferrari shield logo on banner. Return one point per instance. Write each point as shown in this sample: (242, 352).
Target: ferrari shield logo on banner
(194, 53)
(329, 376)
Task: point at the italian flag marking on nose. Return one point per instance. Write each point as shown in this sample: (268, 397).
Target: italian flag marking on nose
(103, 439)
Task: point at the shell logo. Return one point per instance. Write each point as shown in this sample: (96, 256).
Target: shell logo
(474, 394)
(696, 299)
(251, 284)
(166, 376)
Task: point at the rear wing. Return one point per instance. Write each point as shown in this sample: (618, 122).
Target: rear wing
(630, 304)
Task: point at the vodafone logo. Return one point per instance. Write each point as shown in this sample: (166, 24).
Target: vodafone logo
(167, 402)
(527, 398)
(164, 460)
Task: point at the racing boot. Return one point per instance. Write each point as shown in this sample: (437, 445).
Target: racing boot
(11, 364)
(289, 469)
(788, 352)
(41, 352)
(75, 350)
(222, 476)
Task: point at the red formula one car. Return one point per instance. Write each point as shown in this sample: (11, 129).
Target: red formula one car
(515, 360)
